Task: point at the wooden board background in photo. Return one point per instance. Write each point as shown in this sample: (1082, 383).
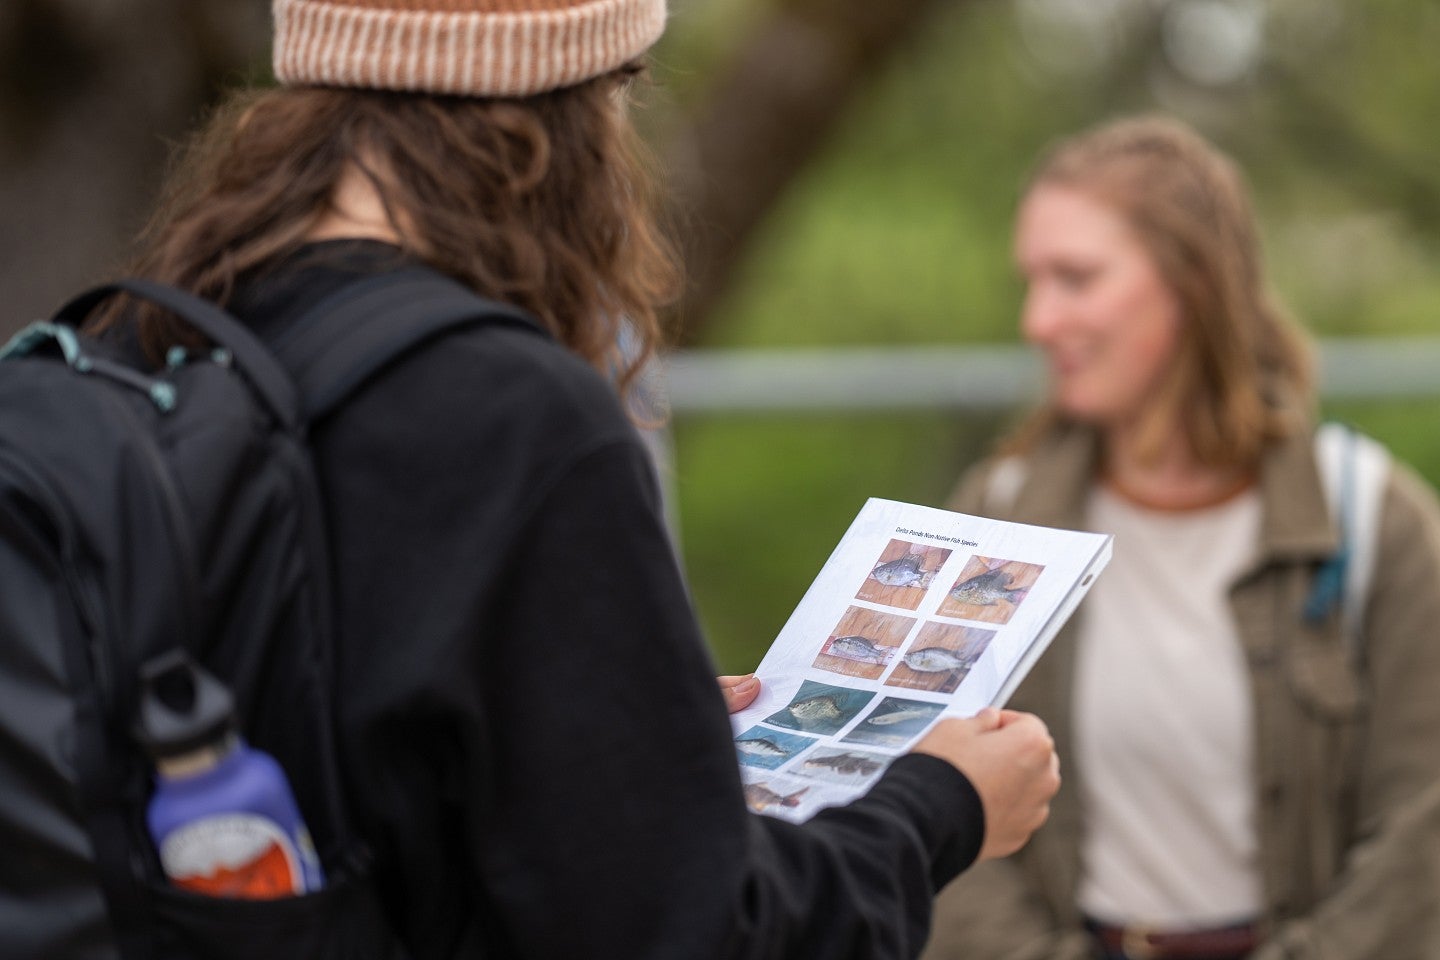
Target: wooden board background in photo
(884, 629)
(1022, 575)
(908, 598)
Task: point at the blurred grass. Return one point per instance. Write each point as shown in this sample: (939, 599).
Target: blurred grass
(763, 502)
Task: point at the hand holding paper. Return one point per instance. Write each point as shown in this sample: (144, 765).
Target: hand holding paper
(1011, 761)
(919, 614)
(739, 692)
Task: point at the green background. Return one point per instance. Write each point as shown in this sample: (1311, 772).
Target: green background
(900, 234)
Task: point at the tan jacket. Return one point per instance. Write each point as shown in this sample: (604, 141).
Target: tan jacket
(1347, 762)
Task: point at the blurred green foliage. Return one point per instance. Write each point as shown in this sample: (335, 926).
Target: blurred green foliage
(901, 234)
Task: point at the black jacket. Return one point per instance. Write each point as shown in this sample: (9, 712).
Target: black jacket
(532, 730)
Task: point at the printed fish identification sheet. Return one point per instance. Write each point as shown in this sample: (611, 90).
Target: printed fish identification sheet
(918, 614)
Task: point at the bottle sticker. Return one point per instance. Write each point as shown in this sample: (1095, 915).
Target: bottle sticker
(234, 855)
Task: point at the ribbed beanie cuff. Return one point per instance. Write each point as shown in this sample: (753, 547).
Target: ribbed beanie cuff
(483, 48)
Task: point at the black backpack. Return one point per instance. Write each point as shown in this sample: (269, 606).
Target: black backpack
(148, 513)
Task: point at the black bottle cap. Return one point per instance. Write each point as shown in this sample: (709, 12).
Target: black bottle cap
(183, 707)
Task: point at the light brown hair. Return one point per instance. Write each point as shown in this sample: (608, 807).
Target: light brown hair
(1244, 369)
(544, 202)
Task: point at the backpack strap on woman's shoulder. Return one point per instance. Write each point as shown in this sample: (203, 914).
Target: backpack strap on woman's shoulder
(1354, 470)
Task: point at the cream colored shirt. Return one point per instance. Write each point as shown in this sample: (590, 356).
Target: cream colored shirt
(1164, 721)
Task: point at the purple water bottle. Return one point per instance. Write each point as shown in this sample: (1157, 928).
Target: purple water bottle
(223, 817)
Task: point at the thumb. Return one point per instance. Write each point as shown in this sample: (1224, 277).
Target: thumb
(986, 720)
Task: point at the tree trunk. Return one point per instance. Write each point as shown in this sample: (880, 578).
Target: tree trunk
(769, 114)
(93, 92)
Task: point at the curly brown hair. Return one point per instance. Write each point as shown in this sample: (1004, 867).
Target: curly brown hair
(546, 202)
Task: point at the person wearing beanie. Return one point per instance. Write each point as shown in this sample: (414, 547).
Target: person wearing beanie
(532, 734)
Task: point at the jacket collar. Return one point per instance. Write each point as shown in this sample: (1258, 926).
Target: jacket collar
(1062, 468)
(1295, 518)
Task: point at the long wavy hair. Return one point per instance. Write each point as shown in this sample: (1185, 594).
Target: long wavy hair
(547, 202)
(1243, 376)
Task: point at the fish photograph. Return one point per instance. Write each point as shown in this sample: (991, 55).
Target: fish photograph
(894, 722)
(940, 658)
(768, 749)
(863, 643)
(843, 765)
(864, 649)
(761, 798)
(902, 574)
(820, 708)
(989, 589)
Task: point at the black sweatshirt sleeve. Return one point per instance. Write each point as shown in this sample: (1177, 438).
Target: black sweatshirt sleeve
(612, 821)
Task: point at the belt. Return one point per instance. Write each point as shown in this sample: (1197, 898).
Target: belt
(1142, 943)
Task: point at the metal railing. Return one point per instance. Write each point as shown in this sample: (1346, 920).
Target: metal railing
(979, 377)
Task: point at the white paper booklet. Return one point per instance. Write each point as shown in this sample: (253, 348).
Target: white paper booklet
(919, 613)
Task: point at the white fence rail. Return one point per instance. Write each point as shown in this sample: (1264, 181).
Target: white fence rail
(981, 377)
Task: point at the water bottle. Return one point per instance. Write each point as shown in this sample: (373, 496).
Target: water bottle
(223, 817)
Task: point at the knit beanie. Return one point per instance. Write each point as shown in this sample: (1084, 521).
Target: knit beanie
(482, 48)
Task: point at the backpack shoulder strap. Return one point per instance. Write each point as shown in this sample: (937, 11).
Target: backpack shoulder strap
(252, 356)
(1354, 470)
(360, 329)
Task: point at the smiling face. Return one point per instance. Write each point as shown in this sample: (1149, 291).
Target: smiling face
(1095, 304)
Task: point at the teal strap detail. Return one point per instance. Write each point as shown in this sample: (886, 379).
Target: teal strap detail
(177, 356)
(1327, 590)
(163, 395)
(27, 341)
(1354, 472)
(33, 336)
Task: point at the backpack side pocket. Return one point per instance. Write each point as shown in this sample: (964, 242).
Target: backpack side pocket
(343, 921)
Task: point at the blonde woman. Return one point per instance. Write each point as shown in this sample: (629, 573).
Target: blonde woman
(1239, 783)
